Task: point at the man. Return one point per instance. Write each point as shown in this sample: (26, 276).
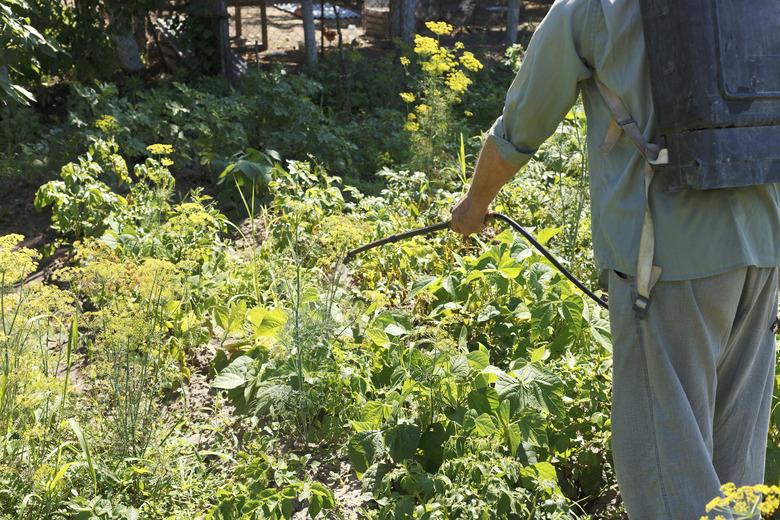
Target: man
(693, 377)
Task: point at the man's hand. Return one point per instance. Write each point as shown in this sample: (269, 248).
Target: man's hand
(468, 217)
(491, 172)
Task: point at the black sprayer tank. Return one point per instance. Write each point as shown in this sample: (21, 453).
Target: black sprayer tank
(715, 76)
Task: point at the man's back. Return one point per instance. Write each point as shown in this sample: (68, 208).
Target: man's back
(575, 39)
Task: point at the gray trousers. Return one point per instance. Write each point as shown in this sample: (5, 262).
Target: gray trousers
(692, 389)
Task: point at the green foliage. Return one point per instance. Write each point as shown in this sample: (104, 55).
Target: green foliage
(265, 488)
(81, 202)
(20, 46)
(187, 366)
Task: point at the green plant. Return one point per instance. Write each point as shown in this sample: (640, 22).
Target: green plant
(442, 80)
(21, 44)
(265, 488)
(81, 201)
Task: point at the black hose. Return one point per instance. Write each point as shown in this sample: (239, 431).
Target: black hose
(491, 216)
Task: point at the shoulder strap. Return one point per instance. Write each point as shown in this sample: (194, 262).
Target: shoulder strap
(623, 123)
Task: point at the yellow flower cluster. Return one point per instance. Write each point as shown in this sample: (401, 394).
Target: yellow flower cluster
(439, 28)
(458, 82)
(470, 62)
(160, 149)
(744, 500)
(16, 263)
(107, 124)
(439, 63)
(442, 66)
(425, 45)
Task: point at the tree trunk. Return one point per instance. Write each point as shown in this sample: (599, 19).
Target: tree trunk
(512, 19)
(408, 20)
(309, 32)
(223, 32)
(395, 17)
(123, 38)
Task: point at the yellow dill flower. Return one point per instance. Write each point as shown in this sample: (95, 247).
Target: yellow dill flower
(107, 124)
(715, 503)
(423, 108)
(443, 63)
(16, 263)
(458, 82)
(405, 61)
(160, 149)
(411, 116)
(468, 113)
(469, 61)
(439, 28)
(459, 45)
(408, 97)
(411, 126)
(425, 45)
(166, 162)
(745, 500)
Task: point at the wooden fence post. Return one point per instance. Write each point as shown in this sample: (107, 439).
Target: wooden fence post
(309, 32)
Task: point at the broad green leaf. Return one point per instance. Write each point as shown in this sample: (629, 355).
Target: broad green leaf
(432, 446)
(375, 412)
(509, 268)
(544, 235)
(236, 317)
(321, 498)
(378, 336)
(269, 394)
(531, 386)
(459, 366)
(483, 400)
(484, 425)
(542, 472)
(362, 448)
(486, 313)
(424, 284)
(234, 375)
(539, 354)
(402, 441)
(267, 322)
(533, 429)
(478, 359)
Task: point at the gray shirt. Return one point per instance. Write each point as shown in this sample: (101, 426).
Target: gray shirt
(698, 233)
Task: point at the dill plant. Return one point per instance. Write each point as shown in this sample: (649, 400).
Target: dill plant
(35, 364)
(440, 76)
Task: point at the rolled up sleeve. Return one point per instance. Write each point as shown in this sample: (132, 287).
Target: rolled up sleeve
(546, 85)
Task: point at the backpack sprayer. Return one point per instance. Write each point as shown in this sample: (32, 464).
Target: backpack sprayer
(441, 226)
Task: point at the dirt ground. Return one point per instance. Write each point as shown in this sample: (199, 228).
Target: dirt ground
(285, 30)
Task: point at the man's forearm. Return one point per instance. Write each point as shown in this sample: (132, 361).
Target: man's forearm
(490, 175)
